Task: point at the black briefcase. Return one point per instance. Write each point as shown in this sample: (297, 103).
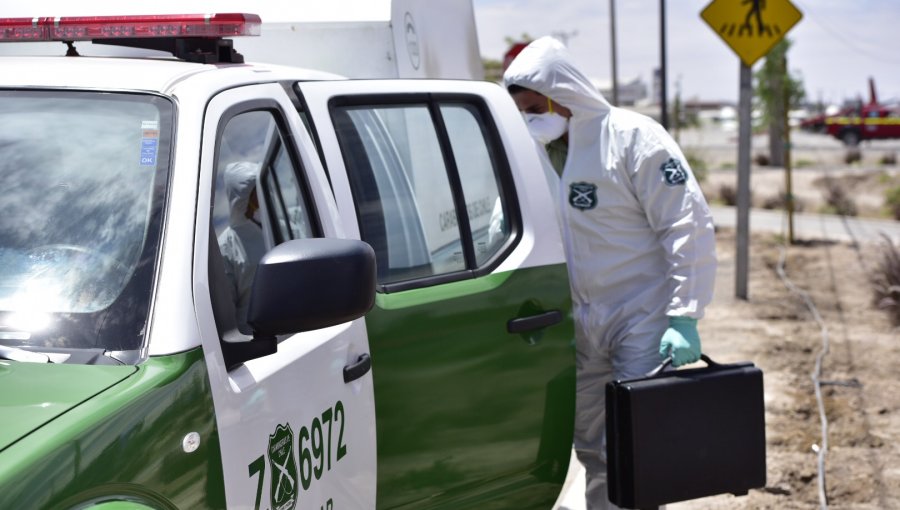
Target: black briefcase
(684, 434)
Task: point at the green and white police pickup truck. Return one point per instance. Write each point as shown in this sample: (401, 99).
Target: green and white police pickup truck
(406, 338)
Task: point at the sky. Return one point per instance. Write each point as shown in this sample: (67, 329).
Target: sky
(837, 45)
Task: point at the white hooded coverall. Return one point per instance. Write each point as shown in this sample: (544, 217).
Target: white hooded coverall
(241, 243)
(639, 240)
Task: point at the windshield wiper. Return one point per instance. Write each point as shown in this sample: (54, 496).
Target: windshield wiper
(16, 354)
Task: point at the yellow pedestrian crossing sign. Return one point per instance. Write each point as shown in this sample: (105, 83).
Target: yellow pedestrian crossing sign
(751, 27)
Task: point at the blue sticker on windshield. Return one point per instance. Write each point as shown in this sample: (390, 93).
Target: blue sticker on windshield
(149, 142)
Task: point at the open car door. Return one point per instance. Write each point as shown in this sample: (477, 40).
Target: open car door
(296, 425)
(471, 335)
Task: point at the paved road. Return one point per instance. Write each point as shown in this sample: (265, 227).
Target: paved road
(810, 226)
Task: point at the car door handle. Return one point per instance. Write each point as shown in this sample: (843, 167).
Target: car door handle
(356, 370)
(532, 322)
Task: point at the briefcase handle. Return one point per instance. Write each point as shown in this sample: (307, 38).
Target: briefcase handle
(668, 361)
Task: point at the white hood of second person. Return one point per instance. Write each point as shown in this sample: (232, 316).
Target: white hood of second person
(546, 66)
(240, 181)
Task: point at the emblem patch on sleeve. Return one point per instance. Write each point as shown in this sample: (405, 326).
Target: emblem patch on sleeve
(673, 172)
(583, 195)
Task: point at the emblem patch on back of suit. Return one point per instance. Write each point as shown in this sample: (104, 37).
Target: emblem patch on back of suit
(673, 172)
(583, 195)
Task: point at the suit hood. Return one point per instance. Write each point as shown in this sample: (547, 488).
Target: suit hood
(546, 66)
(240, 181)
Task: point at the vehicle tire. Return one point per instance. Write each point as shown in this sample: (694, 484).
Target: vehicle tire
(850, 137)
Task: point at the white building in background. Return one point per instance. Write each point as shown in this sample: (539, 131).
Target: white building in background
(631, 92)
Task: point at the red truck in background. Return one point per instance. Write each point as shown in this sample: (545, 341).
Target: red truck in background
(853, 124)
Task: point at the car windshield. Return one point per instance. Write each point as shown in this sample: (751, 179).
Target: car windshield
(83, 176)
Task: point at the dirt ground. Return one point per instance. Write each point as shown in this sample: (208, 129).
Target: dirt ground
(776, 330)
(862, 189)
(820, 177)
(861, 387)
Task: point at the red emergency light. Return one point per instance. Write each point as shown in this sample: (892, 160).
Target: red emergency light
(93, 28)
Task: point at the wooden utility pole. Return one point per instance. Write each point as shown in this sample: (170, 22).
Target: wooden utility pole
(788, 184)
(778, 84)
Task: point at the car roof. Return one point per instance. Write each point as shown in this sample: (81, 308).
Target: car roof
(159, 75)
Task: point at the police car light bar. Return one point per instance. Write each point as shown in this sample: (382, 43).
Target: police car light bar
(88, 28)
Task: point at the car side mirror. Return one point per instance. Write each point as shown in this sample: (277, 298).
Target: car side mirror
(309, 284)
(304, 285)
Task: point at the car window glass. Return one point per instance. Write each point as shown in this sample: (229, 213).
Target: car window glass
(401, 188)
(485, 209)
(426, 183)
(257, 192)
(285, 198)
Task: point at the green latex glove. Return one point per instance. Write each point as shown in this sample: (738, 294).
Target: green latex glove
(681, 341)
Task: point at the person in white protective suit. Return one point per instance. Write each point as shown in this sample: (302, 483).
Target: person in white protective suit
(242, 243)
(638, 234)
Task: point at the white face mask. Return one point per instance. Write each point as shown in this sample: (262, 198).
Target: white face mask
(546, 127)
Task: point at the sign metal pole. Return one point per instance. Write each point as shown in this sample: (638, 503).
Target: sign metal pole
(751, 32)
(743, 184)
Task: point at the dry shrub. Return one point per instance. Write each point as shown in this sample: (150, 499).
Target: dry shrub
(728, 194)
(698, 165)
(779, 201)
(837, 198)
(889, 159)
(892, 201)
(886, 282)
(853, 155)
(761, 159)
